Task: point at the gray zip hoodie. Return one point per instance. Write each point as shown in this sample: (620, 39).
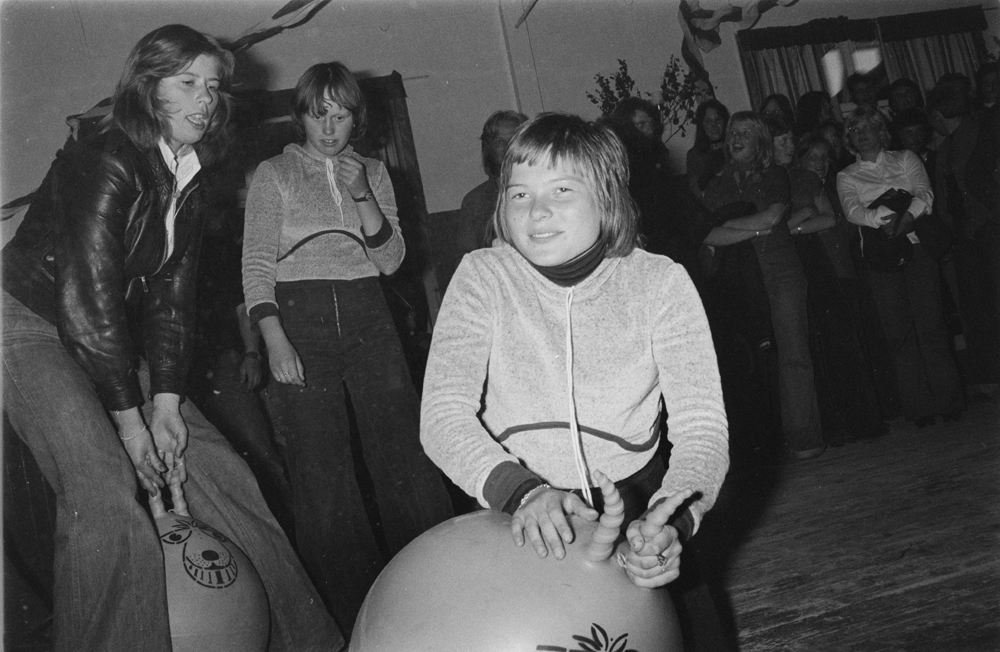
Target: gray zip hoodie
(295, 195)
(635, 330)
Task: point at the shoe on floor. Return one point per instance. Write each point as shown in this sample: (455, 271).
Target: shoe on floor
(808, 454)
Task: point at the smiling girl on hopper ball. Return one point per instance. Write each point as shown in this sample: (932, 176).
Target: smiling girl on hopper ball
(556, 349)
(321, 226)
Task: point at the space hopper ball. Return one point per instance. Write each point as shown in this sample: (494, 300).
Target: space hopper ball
(215, 599)
(464, 586)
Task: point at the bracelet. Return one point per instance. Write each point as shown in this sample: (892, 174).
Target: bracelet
(368, 196)
(253, 355)
(130, 437)
(530, 493)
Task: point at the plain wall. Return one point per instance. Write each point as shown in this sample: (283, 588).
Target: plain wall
(460, 61)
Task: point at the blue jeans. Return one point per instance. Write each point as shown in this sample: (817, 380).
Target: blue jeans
(786, 287)
(109, 591)
(344, 335)
(239, 415)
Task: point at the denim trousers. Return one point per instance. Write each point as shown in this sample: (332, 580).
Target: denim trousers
(786, 286)
(238, 413)
(110, 591)
(344, 335)
(909, 305)
(848, 400)
(977, 264)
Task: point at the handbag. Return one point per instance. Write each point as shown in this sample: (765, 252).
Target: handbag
(885, 252)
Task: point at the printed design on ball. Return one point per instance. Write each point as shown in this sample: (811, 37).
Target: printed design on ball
(599, 641)
(206, 562)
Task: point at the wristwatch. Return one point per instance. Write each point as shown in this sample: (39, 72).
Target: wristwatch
(252, 354)
(368, 196)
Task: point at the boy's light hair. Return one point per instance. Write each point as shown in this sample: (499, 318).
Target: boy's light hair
(592, 151)
(761, 133)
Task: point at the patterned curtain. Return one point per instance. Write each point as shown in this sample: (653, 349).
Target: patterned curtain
(791, 71)
(924, 60)
(921, 47)
(787, 60)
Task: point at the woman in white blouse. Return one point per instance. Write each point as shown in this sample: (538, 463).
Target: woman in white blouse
(908, 296)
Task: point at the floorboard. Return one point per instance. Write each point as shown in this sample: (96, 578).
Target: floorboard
(880, 546)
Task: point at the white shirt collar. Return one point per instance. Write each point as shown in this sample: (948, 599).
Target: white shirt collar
(878, 162)
(183, 165)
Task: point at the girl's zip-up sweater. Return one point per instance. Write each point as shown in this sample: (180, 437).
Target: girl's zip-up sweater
(301, 225)
(635, 329)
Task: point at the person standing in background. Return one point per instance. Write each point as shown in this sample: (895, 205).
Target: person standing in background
(321, 225)
(908, 297)
(474, 230)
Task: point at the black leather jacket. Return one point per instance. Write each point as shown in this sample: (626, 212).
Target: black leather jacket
(89, 257)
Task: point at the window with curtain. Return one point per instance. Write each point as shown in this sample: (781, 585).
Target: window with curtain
(921, 47)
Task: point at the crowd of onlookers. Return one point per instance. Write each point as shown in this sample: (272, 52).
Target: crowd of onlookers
(850, 266)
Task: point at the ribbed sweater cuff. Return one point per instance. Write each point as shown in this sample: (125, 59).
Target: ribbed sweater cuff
(262, 310)
(684, 523)
(507, 484)
(380, 238)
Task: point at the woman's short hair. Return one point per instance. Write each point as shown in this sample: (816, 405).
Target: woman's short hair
(760, 133)
(985, 70)
(167, 51)
(808, 143)
(949, 99)
(909, 84)
(627, 108)
(784, 105)
(593, 151)
(497, 131)
(867, 114)
(313, 87)
(911, 117)
(700, 137)
(836, 125)
(778, 125)
(808, 110)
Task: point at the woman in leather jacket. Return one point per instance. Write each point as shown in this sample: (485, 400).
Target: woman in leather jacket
(98, 303)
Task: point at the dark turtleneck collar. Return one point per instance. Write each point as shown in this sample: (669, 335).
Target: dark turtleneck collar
(573, 271)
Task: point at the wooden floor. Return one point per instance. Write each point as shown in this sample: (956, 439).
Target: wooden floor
(880, 546)
(890, 545)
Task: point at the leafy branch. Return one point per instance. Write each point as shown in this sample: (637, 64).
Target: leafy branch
(624, 87)
(677, 101)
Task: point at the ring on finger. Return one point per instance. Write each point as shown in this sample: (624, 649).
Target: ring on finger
(661, 561)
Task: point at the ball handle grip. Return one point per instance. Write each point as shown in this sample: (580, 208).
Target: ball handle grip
(176, 496)
(602, 542)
